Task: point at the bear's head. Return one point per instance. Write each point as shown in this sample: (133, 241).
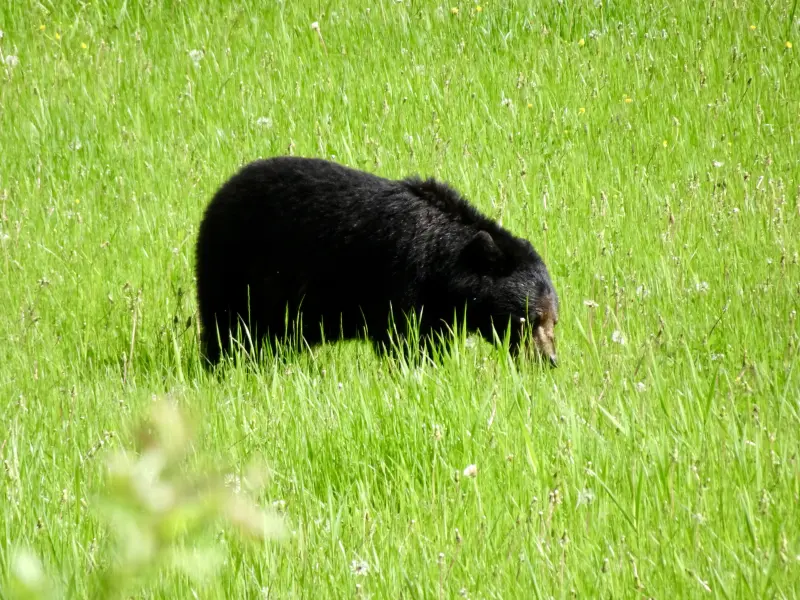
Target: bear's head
(508, 291)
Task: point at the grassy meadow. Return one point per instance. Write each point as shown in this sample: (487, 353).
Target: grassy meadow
(648, 150)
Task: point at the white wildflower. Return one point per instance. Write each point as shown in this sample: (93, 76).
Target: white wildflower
(640, 386)
(717, 164)
(265, 122)
(585, 496)
(701, 287)
(196, 56)
(618, 338)
(359, 567)
(471, 471)
(315, 26)
(11, 61)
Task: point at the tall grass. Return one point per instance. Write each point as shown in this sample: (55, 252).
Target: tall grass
(648, 150)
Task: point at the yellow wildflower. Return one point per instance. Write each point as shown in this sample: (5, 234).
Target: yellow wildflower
(84, 46)
(479, 8)
(664, 143)
(752, 27)
(530, 105)
(788, 45)
(628, 99)
(58, 36)
(581, 110)
(42, 27)
(581, 42)
(454, 10)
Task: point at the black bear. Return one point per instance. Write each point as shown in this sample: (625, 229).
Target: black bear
(349, 251)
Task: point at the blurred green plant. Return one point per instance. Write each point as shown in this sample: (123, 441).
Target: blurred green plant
(159, 514)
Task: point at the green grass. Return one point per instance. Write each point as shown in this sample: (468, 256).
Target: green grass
(665, 466)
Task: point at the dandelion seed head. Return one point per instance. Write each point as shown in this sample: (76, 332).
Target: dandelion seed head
(618, 338)
(640, 386)
(585, 496)
(717, 164)
(196, 56)
(359, 568)
(11, 61)
(315, 26)
(471, 471)
(265, 122)
(234, 482)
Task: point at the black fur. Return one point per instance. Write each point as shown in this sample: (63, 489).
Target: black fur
(343, 246)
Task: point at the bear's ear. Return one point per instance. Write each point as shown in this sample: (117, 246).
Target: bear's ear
(481, 253)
